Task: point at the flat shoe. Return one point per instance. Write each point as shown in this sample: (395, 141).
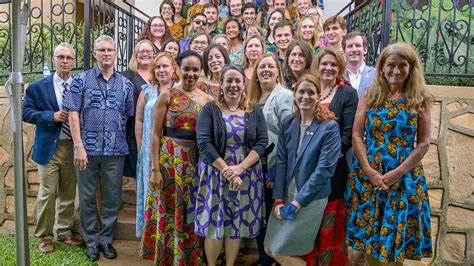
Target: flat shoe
(45, 245)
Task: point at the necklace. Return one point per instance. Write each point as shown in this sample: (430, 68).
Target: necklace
(329, 93)
(230, 109)
(191, 94)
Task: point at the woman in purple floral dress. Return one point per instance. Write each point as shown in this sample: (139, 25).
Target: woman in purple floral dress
(228, 187)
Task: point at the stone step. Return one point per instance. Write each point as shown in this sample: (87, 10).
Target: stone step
(126, 223)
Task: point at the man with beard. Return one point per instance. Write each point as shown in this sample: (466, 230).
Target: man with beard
(198, 23)
(210, 11)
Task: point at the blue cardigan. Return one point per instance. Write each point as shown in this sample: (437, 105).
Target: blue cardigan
(212, 136)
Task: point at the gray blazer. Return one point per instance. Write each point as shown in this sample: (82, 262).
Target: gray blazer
(366, 79)
(277, 106)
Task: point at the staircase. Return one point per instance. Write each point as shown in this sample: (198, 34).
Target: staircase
(126, 220)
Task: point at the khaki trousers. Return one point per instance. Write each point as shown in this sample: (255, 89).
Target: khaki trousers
(57, 191)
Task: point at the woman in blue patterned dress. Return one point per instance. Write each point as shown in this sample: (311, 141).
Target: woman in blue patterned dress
(165, 73)
(228, 189)
(387, 207)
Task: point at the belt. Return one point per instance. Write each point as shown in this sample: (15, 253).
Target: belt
(178, 133)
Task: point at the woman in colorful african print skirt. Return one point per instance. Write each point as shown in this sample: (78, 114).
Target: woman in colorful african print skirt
(174, 156)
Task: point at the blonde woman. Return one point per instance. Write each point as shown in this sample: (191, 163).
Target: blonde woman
(139, 74)
(267, 91)
(302, 6)
(165, 74)
(387, 204)
(308, 31)
(254, 47)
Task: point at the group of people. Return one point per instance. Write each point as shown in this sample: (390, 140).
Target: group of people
(236, 124)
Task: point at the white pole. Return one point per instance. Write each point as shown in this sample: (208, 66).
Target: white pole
(21, 223)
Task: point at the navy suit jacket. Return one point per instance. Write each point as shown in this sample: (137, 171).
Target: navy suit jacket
(313, 165)
(366, 79)
(39, 106)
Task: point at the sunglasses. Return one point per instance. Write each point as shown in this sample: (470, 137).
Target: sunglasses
(200, 22)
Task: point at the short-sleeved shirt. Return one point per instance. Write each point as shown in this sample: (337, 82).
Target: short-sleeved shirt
(103, 107)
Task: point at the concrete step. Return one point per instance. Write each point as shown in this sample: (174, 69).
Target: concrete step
(126, 227)
(127, 254)
(126, 223)
(129, 195)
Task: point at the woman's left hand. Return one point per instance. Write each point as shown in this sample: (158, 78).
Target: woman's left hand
(232, 170)
(391, 177)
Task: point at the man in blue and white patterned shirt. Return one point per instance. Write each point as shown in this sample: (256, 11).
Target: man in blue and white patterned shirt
(99, 101)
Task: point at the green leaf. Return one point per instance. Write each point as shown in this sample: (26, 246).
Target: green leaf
(328, 221)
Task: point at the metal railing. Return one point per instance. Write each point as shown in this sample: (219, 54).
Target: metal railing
(442, 31)
(54, 21)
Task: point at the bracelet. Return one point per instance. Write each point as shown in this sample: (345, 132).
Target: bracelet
(278, 202)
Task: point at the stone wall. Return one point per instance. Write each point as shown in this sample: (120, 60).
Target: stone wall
(447, 165)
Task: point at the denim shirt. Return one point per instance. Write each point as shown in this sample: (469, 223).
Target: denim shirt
(103, 107)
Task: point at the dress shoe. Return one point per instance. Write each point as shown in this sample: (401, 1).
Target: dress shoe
(45, 245)
(71, 241)
(93, 253)
(108, 250)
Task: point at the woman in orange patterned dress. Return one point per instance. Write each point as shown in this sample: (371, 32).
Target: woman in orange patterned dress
(167, 12)
(174, 156)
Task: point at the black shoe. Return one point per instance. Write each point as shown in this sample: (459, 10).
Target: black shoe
(93, 253)
(108, 250)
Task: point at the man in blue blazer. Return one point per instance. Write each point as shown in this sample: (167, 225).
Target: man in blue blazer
(52, 151)
(358, 73)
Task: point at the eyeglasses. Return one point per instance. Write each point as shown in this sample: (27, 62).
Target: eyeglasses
(200, 22)
(62, 57)
(105, 50)
(145, 52)
(202, 43)
(312, 14)
(157, 26)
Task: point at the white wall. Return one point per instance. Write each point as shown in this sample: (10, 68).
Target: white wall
(331, 7)
(150, 7)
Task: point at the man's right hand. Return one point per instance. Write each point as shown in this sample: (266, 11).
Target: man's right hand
(61, 116)
(80, 158)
